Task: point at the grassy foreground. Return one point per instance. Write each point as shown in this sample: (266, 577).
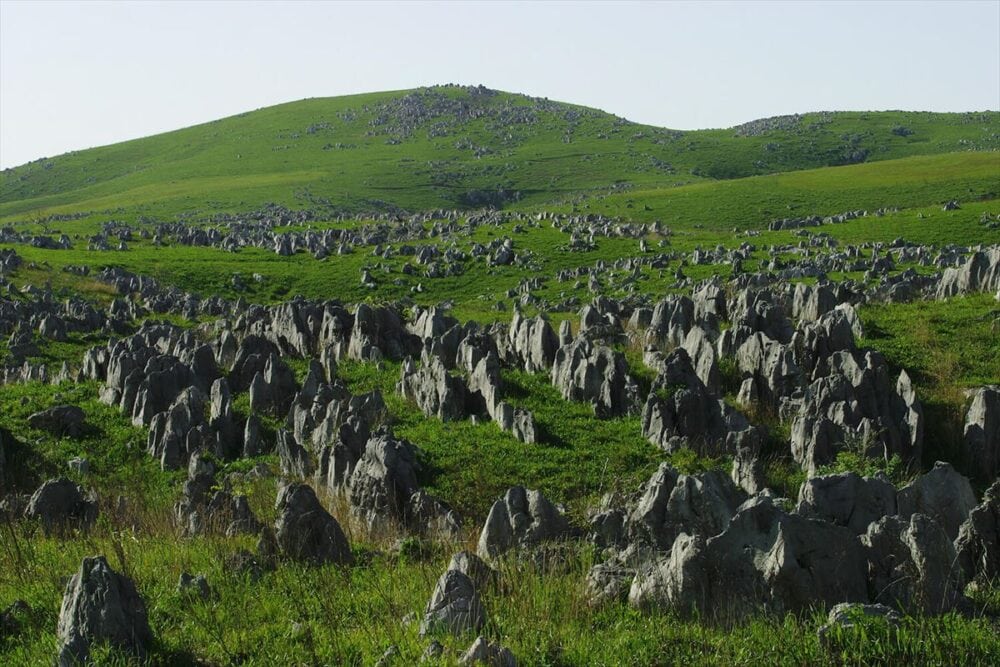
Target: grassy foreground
(351, 616)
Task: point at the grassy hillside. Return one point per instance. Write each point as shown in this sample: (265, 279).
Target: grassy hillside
(470, 148)
(452, 147)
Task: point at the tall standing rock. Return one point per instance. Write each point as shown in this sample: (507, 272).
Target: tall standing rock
(533, 342)
(100, 605)
(978, 544)
(597, 375)
(454, 606)
(942, 494)
(305, 531)
(982, 434)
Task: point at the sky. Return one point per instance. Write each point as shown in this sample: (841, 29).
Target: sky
(79, 74)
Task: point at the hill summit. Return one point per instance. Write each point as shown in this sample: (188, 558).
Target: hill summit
(454, 147)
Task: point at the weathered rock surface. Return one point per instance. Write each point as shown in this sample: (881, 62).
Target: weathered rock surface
(487, 653)
(596, 375)
(942, 494)
(681, 412)
(982, 434)
(305, 531)
(522, 518)
(383, 480)
(532, 343)
(454, 606)
(436, 392)
(913, 565)
(979, 273)
(673, 503)
(845, 616)
(765, 557)
(847, 499)
(978, 544)
(61, 505)
(101, 605)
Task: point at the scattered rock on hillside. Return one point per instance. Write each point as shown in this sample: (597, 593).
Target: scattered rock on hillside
(913, 565)
(522, 518)
(982, 434)
(978, 544)
(101, 605)
(60, 505)
(61, 420)
(846, 615)
(488, 653)
(454, 606)
(847, 499)
(197, 585)
(305, 531)
(942, 494)
(597, 375)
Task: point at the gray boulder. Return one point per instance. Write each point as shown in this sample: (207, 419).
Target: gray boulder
(378, 333)
(942, 494)
(978, 544)
(748, 470)
(979, 273)
(772, 367)
(295, 460)
(253, 442)
(855, 404)
(305, 531)
(846, 615)
(847, 500)
(53, 328)
(522, 518)
(670, 321)
(100, 605)
(765, 558)
(608, 582)
(435, 391)
(196, 585)
(474, 567)
(424, 514)
(61, 420)
(809, 302)
(703, 357)
(487, 653)
(61, 505)
(174, 433)
(383, 481)
(597, 375)
(672, 503)
(454, 606)
(912, 565)
(681, 412)
(532, 342)
(982, 434)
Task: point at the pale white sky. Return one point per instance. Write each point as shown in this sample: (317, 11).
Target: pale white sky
(80, 74)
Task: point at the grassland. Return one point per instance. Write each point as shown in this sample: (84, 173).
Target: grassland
(456, 148)
(449, 147)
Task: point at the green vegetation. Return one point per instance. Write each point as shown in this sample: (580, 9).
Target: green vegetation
(331, 615)
(452, 147)
(469, 149)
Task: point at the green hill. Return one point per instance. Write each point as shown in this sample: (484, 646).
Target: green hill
(453, 147)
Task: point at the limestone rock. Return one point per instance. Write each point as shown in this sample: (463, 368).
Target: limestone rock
(305, 531)
(101, 605)
(454, 606)
(522, 518)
